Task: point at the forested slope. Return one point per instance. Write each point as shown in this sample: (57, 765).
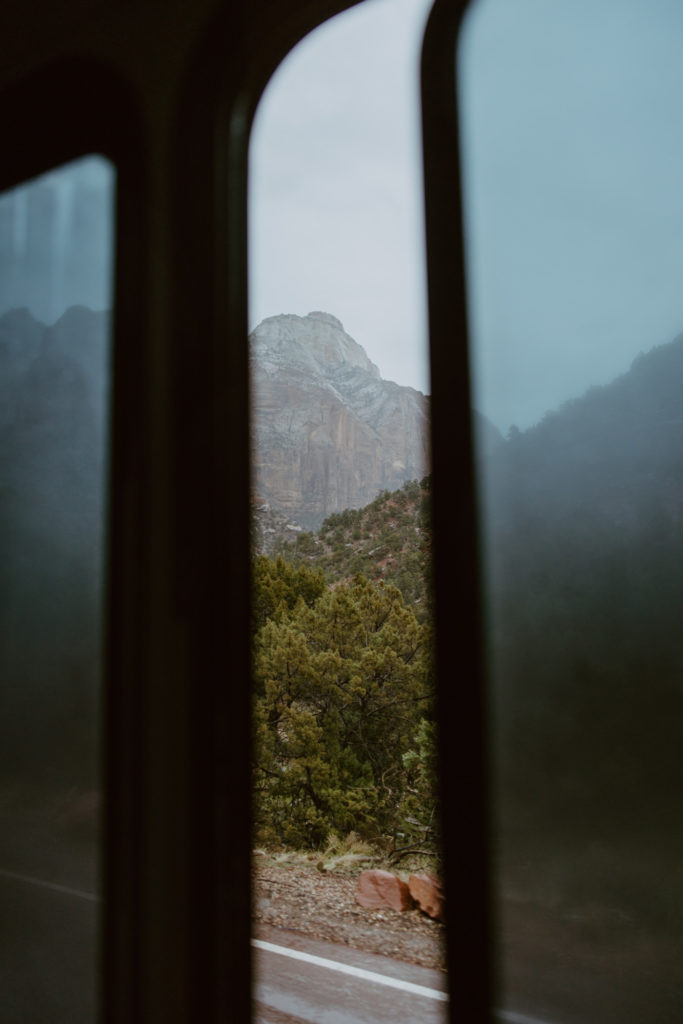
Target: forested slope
(389, 540)
(343, 695)
(583, 523)
(582, 539)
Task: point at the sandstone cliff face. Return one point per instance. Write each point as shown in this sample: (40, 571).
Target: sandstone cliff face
(328, 432)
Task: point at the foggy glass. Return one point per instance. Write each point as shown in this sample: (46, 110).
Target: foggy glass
(572, 162)
(55, 296)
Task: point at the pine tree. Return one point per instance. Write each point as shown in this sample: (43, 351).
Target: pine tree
(342, 685)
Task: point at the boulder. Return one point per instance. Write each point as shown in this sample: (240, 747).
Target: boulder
(427, 892)
(378, 889)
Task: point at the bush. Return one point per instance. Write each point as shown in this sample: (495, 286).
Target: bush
(341, 688)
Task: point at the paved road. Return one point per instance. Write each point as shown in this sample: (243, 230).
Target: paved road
(304, 981)
(48, 951)
(48, 965)
(48, 937)
(300, 979)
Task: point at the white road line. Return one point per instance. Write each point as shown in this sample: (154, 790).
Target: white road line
(90, 896)
(507, 1016)
(356, 972)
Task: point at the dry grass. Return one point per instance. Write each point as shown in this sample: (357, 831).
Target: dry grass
(347, 855)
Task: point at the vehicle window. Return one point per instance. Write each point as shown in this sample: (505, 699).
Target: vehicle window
(55, 299)
(345, 748)
(572, 158)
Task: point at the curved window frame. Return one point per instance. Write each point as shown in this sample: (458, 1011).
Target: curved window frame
(177, 844)
(464, 760)
(80, 107)
(463, 764)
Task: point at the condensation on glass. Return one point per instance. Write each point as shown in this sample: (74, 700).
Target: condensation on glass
(55, 300)
(572, 163)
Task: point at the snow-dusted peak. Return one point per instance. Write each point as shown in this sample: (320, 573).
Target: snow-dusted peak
(326, 318)
(317, 342)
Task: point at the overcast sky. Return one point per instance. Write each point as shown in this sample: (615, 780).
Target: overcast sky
(573, 161)
(336, 185)
(574, 169)
(573, 164)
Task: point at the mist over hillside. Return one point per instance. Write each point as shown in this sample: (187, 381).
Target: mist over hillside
(582, 518)
(583, 536)
(52, 482)
(582, 541)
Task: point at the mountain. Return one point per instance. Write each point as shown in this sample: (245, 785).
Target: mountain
(329, 433)
(52, 474)
(582, 538)
(583, 542)
(617, 448)
(582, 520)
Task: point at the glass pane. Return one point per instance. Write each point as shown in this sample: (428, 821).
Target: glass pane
(573, 155)
(345, 736)
(55, 295)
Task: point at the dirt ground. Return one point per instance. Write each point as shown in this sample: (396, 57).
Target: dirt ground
(322, 904)
(578, 963)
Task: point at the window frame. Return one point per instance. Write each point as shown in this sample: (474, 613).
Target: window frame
(462, 715)
(464, 750)
(177, 846)
(79, 107)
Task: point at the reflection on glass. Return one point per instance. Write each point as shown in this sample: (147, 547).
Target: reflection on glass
(344, 772)
(573, 155)
(55, 260)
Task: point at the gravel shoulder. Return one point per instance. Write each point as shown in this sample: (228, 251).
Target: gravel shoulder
(322, 904)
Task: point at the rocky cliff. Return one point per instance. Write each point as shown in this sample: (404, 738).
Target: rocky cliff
(329, 433)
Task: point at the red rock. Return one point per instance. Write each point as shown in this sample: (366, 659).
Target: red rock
(382, 889)
(427, 892)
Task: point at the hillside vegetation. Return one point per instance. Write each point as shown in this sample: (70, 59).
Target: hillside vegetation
(583, 535)
(582, 531)
(344, 734)
(388, 540)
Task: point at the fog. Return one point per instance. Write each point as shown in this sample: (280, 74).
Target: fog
(55, 271)
(573, 160)
(56, 241)
(53, 366)
(573, 157)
